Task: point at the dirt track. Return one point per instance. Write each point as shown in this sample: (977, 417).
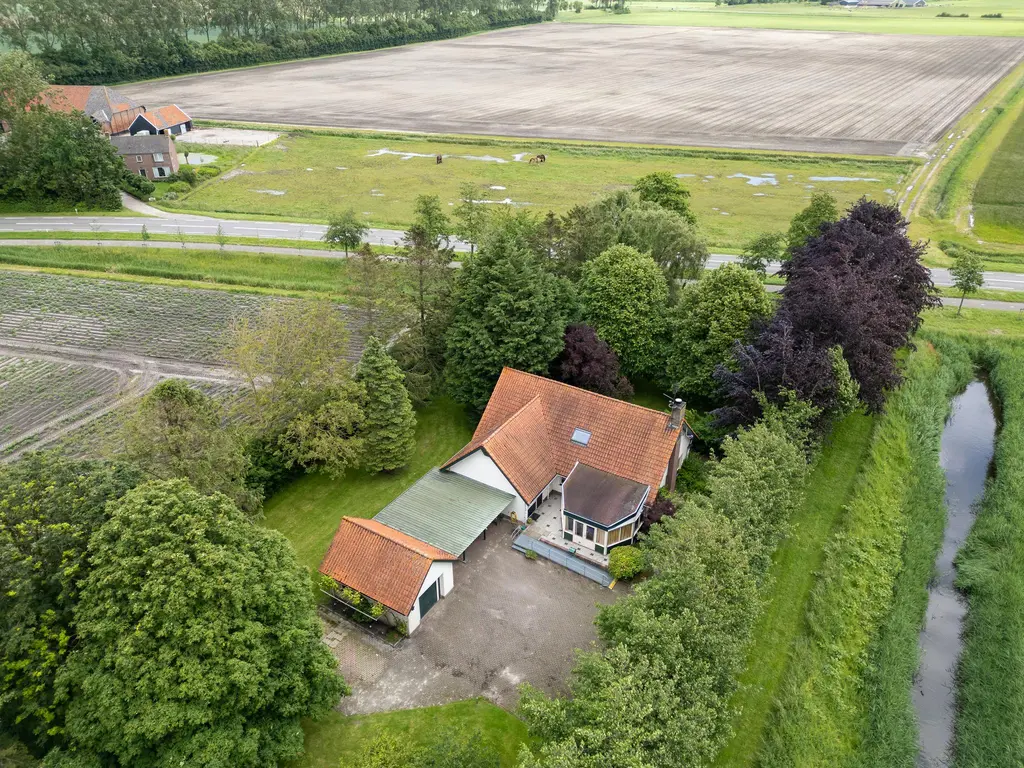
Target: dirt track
(816, 91)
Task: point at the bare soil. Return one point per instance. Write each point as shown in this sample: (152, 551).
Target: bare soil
(763, 89)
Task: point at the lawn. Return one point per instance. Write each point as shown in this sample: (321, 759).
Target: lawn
(975, 322)
(339, 738)
(309, 176)
(814, 16)
(794, 569)
(999, 196)
(308, 510)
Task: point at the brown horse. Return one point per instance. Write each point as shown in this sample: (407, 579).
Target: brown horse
(439, 158)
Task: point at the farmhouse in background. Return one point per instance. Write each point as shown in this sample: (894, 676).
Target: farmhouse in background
(574, 470)
(112, 111)
(154, 157)
(171, 120)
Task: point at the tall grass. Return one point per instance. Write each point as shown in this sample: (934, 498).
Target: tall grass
(825, 705)
(990, 570)
(890, 734)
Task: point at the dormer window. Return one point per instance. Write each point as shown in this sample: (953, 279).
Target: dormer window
(580, 436)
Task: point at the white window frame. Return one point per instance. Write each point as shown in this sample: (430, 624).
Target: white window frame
(158, 157)
(138, 158)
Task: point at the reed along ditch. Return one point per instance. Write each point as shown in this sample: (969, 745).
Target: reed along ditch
(968, 444)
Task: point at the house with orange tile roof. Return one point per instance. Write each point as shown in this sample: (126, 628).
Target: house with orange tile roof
(605, 457)
(404, 575)
(171, 120)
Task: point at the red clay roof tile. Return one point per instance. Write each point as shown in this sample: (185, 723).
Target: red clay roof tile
(527, 428)
(380, 562)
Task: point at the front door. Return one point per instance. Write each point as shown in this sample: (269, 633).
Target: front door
(427, 599)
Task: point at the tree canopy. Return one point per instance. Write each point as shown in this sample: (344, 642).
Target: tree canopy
(624, 296)
(177, 431)
(968, 271)
(346, 231)
(710, 317)
(664, 189)
(49, 509)
(198, 640)
(807, 223)
(389, 424)
(507, 311)
(588, 362)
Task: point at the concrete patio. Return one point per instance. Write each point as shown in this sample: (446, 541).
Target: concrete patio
(548, 528)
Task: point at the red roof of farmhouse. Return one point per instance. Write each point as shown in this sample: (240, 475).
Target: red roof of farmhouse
(527, 430)
(165, 117)
(380, 562)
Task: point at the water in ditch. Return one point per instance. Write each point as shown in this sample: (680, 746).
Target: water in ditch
(968, 442)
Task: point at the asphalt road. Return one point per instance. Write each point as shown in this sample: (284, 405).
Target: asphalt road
(199, 225)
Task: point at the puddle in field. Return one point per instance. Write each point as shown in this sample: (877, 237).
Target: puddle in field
(506, 201)
(495, 186)
(518, 158)
(757, 181)
(838, 178)
(968, 442)
(275, 192)
(686, 175)
(196, 158)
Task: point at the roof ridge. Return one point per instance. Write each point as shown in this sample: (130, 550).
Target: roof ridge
(511, 418)
(361, 522)
(587, 391)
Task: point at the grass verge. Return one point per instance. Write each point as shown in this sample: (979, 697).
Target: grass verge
(338, 738)
(823, 704)
(999, 195)
(990, 571)
(308, 510)
(792, 575)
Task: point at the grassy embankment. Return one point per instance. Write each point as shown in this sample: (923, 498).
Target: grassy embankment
(827, 697)
(322, 172)
(338, 737)
(794, 566)
(813, 16)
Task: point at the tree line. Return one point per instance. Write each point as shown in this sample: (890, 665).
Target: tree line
(103, 41)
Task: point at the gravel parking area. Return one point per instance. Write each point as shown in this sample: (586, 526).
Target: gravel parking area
(509, 620)
(769, 89)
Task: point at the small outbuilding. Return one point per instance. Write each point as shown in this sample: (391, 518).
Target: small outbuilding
(170, 120)
(404, 575)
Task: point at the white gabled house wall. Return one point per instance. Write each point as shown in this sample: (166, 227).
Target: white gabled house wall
(481, 467)
(439, 569)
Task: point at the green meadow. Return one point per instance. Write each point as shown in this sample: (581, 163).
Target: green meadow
(311, 175)
(822, 18)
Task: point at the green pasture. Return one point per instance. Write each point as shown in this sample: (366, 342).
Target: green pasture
(309, 176)
(822, 18)
(338, 738)
(999, 195)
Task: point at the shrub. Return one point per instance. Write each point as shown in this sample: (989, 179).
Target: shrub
(625, 562)
(530, 554)
(170, 196)
(186, 174)
(180, 187)
(138, 186)
(207, 172)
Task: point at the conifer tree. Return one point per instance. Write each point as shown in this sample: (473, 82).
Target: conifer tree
(389, 425)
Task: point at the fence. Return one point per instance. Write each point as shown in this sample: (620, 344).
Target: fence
(563, 558)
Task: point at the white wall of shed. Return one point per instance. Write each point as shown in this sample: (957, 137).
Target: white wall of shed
(481, 467)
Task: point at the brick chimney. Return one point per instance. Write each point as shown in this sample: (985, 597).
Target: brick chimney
(675, 422)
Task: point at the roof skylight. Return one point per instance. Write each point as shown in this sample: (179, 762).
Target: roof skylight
(580, 436)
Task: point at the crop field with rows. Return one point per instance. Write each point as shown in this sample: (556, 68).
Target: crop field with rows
(134, 318)
(35, 392)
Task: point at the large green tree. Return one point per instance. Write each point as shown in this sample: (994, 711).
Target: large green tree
(710, 317)
(199, 642)
(664, 189)
(807, 223)
(49, 509)
(58, 159)
(21, 83)
(178, 431)
(389, 423)
(507, 311)
(624, 296)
